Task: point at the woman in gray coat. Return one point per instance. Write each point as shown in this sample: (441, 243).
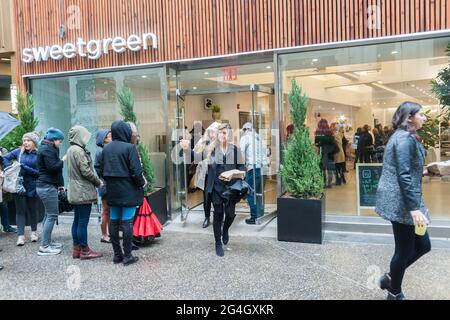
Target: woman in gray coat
(399, 196)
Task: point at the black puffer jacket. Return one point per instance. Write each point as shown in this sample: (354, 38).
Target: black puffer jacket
(49, 165)
(120, 167)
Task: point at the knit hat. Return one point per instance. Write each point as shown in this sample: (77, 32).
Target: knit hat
(54, 134)
(33, 137)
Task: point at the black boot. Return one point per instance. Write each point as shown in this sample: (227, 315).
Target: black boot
(219, 250)
(114, 226)
(385, 282)
(128, 258)
(226, 227)
(207, 222)
(399, 296)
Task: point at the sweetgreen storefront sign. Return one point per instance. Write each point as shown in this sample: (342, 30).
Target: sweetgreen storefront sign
(92, 49)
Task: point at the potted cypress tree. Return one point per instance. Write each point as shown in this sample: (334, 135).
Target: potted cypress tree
(157, 197)
(301, 210)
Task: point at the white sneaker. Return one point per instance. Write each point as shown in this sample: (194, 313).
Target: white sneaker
(34, 237)
(21, 241)
(56, 245)
(49, 251)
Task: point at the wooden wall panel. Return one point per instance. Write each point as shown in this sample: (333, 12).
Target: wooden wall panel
(201, 28)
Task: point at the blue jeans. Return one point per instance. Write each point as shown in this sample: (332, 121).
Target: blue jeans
(49, 196)
(80, 224)
(4, 215)
(122, 213)
(256, 209)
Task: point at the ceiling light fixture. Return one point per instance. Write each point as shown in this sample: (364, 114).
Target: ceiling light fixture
(6, 59)
(394, 52)
(315, 60)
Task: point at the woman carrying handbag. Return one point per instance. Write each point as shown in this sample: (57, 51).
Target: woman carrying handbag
(222, 156)
(26, 199)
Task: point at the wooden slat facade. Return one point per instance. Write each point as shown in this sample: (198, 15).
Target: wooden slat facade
(202, 28)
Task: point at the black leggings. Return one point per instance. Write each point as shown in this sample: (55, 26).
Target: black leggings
(220, 210)
(409, 247)
(207, 203)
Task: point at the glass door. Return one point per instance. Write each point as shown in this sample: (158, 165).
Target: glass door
(178, 133)
(265, 154)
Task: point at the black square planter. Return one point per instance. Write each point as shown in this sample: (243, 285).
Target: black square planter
(301, 220)
(158, 202)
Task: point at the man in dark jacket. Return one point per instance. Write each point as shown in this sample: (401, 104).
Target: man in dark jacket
(119, 165)
(50, 168)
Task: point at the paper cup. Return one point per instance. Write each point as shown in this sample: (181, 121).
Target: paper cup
(421, 230)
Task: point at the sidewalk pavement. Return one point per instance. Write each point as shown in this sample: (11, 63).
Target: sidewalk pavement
(183, 265)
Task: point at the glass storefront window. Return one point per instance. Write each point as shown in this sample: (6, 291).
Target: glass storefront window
(90, 101)
(356, 86)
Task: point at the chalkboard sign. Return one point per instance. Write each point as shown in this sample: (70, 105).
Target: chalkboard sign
(367, 177)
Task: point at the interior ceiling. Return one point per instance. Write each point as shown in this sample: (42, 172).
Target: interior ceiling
(384, 84)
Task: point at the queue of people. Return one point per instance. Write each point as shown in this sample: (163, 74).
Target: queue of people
(117, 179)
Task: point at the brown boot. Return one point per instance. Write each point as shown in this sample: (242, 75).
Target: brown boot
(76, 252)
(87, 254)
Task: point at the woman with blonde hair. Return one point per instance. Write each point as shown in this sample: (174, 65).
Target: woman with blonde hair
(222, 156)
(26, 201)
(199, 155)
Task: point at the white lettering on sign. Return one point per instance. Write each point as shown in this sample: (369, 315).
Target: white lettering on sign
(93, 49)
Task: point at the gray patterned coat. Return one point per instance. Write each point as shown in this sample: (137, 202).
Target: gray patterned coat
(400, 186)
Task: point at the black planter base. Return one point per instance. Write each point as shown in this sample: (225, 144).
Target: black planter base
(301, 220)
(158, 203)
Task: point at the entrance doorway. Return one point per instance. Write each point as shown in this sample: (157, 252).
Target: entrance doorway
(191, 114)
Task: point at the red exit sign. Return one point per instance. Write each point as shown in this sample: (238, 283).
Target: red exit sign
(230, 74)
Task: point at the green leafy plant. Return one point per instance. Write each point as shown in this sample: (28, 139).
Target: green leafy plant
(301, 171)
(126, 100)
(430, 130)
(28, 123)
(215, 108)
(441, 85)
(441, 89)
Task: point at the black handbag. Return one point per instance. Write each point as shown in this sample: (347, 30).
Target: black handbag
(63, 202)
(236, 191)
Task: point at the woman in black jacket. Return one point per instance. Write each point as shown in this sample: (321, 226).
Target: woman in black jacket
(222, 156)
(50, 168)
(326, 142)
(399, 195)
(119, 165)
(365, 144)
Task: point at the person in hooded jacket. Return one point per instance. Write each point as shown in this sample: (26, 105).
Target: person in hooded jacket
(81, 191)
(120, 167)
(103, 138)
